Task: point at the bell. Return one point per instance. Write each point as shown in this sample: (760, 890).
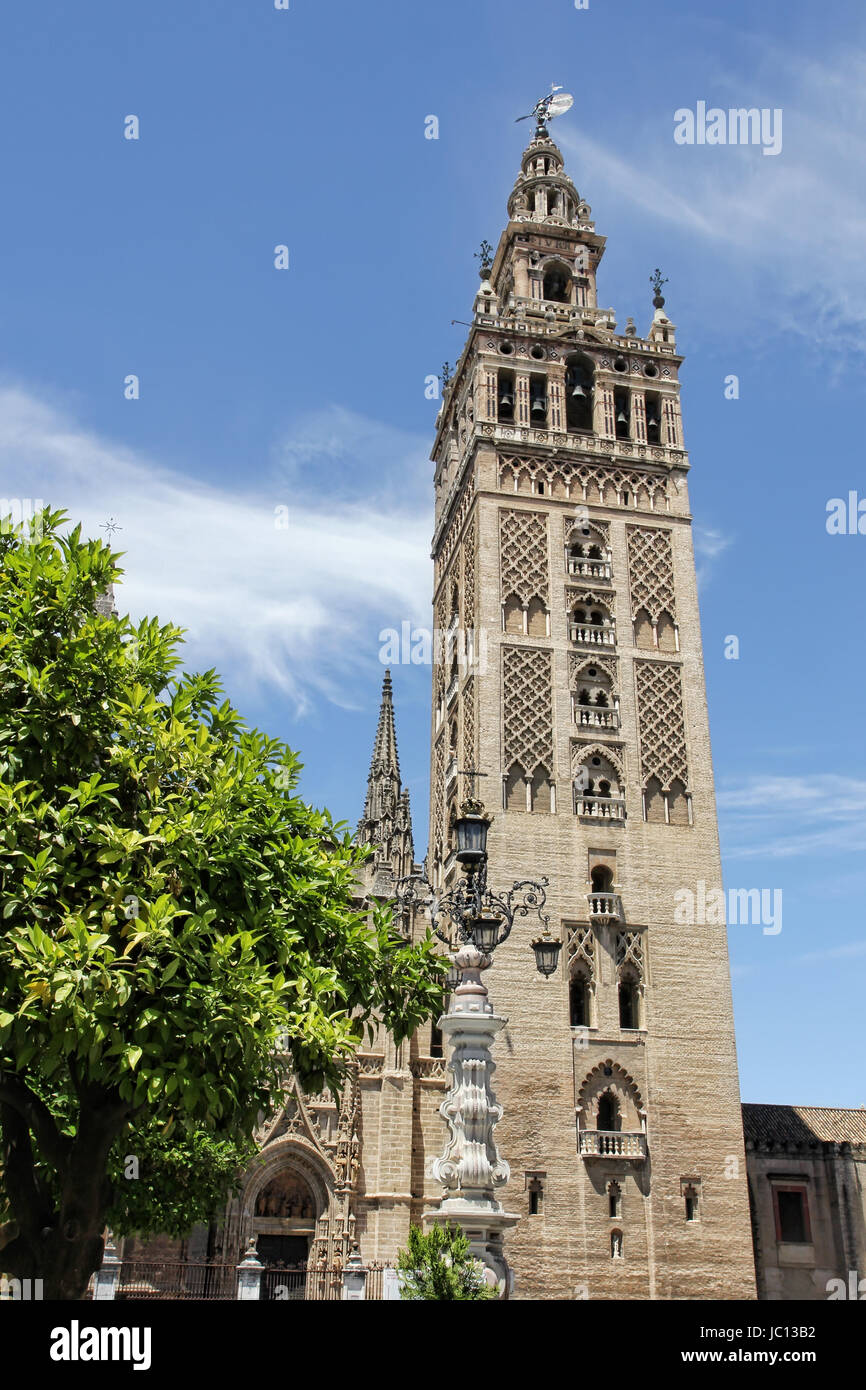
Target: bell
(578, 391)
(621, 417)
(652, 420)
(506, 399)
(539, 406)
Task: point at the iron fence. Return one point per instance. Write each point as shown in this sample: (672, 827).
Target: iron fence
(145, 1279)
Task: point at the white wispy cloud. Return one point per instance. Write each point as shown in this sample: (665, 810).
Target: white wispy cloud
(709, 544)
(298, 608)
(785, 816)
(850, 950)
(790, 228)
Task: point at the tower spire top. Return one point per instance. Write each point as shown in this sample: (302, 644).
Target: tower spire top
(387, 820)
(554, 104)
(385, 759)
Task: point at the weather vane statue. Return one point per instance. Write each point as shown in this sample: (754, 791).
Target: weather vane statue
(548, 107)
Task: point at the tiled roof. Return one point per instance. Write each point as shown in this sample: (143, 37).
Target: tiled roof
(803, 1124)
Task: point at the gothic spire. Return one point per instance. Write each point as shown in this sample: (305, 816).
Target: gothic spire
(387, 819)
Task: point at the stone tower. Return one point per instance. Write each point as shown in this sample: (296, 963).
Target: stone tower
(571, 674)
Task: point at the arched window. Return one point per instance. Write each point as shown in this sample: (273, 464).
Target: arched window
(536, 617)
(622, 414)
(578, 1000)
(578, 393)
(616, 1245)
(654, 802)
(505, 396)
(513, 614)
(678, 804)
(538, 400)
(666, 633)
(557, 283)
(629, 1002)
(643, 629)
(608, 1113)
(540, 790)
(601, 879)
(653, 417)
(515, 789)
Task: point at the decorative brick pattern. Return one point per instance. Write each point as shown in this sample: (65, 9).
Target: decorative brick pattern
(468, 701)
(661, 723)
(437, 796)
(585, 482)
(651, 571)
(523, 557)
(527, 706)
(469, 576)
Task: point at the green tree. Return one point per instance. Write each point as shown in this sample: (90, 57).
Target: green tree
(438, 1265)
(175, 921)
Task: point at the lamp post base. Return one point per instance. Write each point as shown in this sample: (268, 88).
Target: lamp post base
(484, 1224)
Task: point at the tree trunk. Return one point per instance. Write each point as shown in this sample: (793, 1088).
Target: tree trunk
(62, 1244)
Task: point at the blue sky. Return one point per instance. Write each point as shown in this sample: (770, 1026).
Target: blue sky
(305, 388)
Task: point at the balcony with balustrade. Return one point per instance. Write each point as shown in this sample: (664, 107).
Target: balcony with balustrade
(613, 1143)
(592, 635)
(595, 716)
(600, 808)
(589, 568)
(605, 907)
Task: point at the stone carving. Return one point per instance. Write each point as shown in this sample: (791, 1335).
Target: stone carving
(577, 664)
(580, 949)
(651, 571)
(523, 559)
(629, 951)
(661, 723)
(586, 482)
(286, 1195)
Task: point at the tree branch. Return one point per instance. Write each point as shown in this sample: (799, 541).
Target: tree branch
(16, 1094)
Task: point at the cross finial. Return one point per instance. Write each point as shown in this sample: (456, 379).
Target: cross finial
(471, 772)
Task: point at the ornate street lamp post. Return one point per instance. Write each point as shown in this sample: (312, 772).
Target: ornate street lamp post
(473, 921)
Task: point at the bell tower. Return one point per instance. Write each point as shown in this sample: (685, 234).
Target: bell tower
(571, 676)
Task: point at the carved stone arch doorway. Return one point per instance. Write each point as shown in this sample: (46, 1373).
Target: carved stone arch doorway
(286, 1201)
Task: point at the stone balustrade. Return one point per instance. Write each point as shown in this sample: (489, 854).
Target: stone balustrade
(605, 906)
(591, 635)
(600, 807)
(609, 1143)
(596, 717)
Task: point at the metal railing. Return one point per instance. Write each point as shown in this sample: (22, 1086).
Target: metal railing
(151, 1279)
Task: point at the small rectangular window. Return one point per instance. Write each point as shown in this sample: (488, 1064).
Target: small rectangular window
(792, 1215)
